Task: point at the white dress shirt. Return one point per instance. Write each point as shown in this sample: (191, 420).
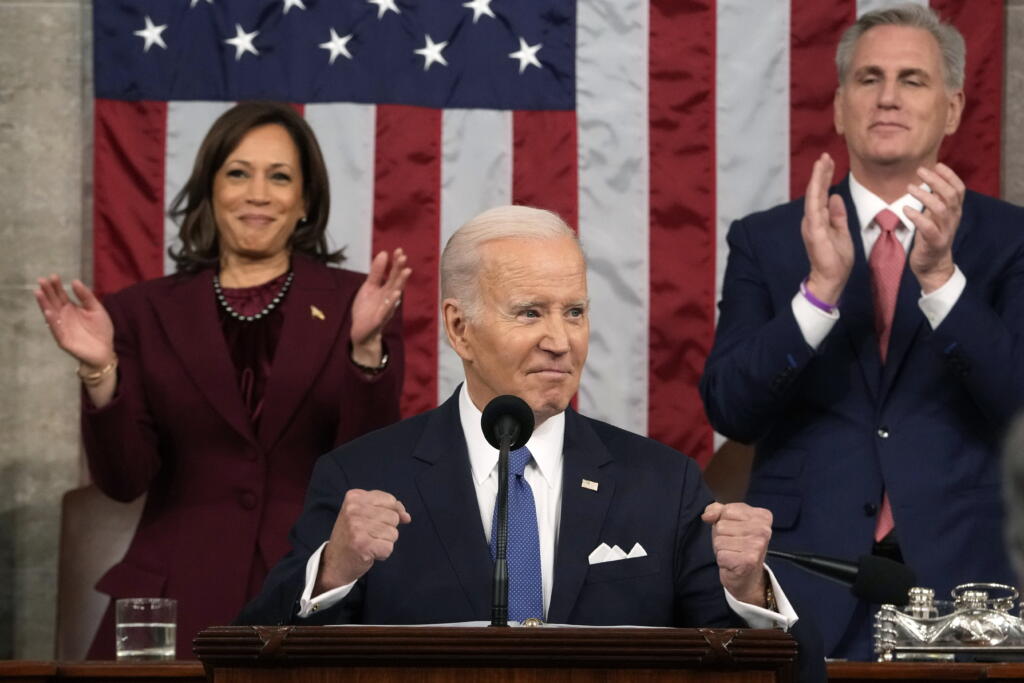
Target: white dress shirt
(815, 324)
(544, 474)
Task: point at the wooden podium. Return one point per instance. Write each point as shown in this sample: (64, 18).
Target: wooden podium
(310, 654)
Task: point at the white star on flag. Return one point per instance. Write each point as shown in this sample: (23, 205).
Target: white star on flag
(194, 2)
(480, 8)
(151, 34)
(242, 42)
(288, 4)
(431, 53)
(383, 6)
(337, 45)
(526, 54)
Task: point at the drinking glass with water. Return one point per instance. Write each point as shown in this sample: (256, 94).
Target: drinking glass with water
(146, 629)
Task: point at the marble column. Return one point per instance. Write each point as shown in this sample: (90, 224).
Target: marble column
(44, 118)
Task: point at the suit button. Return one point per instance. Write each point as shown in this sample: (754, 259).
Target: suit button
(247, 500)
(870, 509)
(883, 433)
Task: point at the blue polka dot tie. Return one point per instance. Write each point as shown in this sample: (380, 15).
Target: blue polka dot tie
(525, 596)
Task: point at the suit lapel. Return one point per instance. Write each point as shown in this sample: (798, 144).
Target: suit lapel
(856, 310)
(187, 311)
(583, 512)
(306, 340)
(449, 496)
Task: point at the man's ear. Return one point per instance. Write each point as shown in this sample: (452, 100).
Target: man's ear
(456, 327)
(837, 112)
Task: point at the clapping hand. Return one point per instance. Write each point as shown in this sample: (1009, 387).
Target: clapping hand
(83, 328)
(826, 235)
(375, 304)
(931, 258)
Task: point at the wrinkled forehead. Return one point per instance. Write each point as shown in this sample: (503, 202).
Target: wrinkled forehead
(900, 47)
(530, 267)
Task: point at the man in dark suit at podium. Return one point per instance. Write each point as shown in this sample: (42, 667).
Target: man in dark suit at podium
(606, 527)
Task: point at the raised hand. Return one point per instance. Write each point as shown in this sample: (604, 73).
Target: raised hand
(375, 304)
(83, 328)
(739, 536)
(364, 532)
(826, 235)
(931, 258)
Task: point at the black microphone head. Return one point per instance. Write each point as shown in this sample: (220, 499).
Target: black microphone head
(883, 581)
(507, 416)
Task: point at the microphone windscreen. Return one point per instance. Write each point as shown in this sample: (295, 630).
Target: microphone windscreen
(883, 581)
(507, 415)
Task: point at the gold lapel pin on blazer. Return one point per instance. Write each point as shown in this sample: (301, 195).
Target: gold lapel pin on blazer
(587, 484)
(317, 313)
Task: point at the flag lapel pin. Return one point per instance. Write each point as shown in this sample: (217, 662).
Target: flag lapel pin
(587, 484)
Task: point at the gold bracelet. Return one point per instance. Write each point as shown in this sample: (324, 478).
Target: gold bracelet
(93, 379)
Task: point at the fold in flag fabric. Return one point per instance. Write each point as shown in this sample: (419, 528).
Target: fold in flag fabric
(648, 126)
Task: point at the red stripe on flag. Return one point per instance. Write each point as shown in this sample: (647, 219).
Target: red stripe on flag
(544, 162)
(974, 151)
(406, 213)
(128, 193)
(815, 28)
(682, 219)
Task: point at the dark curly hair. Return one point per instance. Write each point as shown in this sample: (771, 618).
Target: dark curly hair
(192, 209)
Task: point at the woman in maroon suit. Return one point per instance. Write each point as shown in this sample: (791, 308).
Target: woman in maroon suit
(214, 389)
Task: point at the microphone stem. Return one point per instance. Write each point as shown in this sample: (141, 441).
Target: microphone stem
(499, 599)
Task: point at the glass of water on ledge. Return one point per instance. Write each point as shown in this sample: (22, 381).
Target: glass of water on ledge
(146, 629)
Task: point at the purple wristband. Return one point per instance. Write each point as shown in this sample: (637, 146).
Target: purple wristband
(815, 301)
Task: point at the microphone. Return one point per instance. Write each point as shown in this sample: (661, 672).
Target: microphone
(507, 422)
(507, 417)
(878, 580)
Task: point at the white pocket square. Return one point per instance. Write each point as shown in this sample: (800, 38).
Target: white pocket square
(603, 553)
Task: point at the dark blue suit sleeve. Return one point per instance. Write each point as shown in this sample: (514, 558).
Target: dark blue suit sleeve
(759, 350)
(278, 602)
(982, 343)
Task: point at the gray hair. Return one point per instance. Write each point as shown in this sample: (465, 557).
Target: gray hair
(1013, 494)
(951, 43)
(460, 261)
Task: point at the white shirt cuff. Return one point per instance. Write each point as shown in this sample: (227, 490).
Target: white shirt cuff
(937, 305)
(814, 323)
(759, 617)
(309, 605)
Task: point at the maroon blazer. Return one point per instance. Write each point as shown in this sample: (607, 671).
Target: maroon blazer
(221, 495)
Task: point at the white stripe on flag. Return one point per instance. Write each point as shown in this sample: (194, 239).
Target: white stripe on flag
(476, 174)
(752, 114)
(346, 133)
(752, 117)
(611, 111)
(871, 5)
(187, 125)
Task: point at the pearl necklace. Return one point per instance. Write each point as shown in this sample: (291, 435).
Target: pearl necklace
(266, 309)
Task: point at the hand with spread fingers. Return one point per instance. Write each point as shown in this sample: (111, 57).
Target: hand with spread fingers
(364, 532)
(739, 536)
(931, 258)
(375, 304)
(825, 234)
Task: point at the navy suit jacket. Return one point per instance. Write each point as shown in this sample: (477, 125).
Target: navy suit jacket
(832, 427)
(441, 568)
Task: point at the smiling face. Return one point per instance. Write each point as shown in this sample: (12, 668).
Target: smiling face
(530, 332)
(894, 107)
(257, 196)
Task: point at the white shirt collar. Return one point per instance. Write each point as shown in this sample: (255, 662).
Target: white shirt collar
(868, 204)
(545, 444)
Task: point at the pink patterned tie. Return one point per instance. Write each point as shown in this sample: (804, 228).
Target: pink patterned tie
(886, 265)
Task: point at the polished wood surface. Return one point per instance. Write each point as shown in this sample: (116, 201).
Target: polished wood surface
(251, 654)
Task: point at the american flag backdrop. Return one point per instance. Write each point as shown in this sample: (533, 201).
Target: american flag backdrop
(649, 126)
